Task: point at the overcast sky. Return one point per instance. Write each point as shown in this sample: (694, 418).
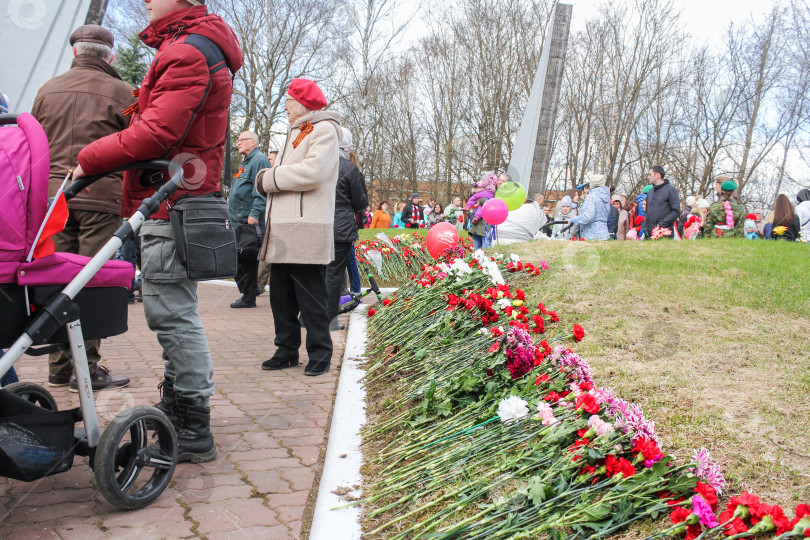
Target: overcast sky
(706, 20)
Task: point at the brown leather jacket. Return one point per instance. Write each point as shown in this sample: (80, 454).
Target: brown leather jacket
(75, 109)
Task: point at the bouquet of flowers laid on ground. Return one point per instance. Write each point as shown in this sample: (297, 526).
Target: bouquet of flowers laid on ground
(484, 424)
(399, 258)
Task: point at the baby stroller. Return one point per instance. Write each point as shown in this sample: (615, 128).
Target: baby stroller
(58, 301)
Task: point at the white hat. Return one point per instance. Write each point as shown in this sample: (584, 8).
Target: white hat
(690, 201)
(598, 180)
(702, 203)
(345, 140)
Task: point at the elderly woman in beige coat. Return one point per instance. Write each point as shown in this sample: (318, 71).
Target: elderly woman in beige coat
(299, 242)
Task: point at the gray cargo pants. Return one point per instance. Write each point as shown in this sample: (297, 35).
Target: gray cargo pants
(170, 306)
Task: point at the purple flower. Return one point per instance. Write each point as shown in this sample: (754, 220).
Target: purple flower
(708, 471)
(704, 512)
(573, 363)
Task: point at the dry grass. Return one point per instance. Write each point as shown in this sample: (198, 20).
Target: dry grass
(711, 338)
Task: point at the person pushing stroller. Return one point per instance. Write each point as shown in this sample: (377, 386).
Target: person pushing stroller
(181, 114)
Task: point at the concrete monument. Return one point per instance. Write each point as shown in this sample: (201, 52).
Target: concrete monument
(530, 157)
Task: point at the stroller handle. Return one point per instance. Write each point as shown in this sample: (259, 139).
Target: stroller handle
(173, 167)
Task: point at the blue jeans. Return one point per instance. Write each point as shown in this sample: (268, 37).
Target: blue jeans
(170, 306)
(354, 273)
(478, 241)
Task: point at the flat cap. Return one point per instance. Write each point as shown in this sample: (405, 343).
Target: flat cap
(92, 33)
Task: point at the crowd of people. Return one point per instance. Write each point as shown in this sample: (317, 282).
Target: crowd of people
(592, 211)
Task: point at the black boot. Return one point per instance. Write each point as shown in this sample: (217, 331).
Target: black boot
(194, 439)
(168, 403)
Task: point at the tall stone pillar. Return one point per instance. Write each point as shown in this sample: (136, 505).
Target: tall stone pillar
(532, 152)
(95, 13)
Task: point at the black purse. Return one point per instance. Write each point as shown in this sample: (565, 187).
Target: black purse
(204, 236)
(249, 240)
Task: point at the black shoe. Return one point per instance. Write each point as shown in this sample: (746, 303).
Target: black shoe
(314, 369)
(195, 443)
(278, 363)
(100, 380)
(259, 292)
(242, 304)
(59, 380)
(168, 400)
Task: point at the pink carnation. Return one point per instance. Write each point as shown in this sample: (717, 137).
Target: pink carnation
(599, 426)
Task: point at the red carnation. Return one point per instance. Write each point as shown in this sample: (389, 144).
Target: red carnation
(372, 312)
(552, 396)
(579, 333)
(540, 379)
(520, 295)
(648, 449)
(587, 403)
(387, 302)
(615, 466)
(554, 316)
(679, 515)
(586, 386)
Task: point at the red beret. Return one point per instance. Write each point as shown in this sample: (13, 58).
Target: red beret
(307, 93)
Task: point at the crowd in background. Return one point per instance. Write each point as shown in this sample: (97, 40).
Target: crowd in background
(593, 211)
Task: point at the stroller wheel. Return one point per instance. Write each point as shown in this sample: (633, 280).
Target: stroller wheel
(135, 457)
(34, 393)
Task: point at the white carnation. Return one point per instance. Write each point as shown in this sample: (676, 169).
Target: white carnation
(512, 408)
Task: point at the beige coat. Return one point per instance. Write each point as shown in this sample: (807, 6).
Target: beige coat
(300, 193)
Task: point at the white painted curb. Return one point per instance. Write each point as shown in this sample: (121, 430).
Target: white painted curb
(348, 417)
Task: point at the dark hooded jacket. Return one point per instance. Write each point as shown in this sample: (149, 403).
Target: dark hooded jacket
(182, 109)
(350, 198)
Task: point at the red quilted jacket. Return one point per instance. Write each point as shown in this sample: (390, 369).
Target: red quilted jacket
(182, 110)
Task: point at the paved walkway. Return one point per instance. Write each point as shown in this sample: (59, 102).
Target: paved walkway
(270, 428)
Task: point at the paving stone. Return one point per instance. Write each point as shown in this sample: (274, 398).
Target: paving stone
(270, 428)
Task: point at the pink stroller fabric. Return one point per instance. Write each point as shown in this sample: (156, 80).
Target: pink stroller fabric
(60, 268)
(24, 169)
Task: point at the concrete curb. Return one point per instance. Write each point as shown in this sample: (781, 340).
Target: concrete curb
(341, 468)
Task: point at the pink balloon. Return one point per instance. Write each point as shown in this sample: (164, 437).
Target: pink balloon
(440, 237)
(494, 211)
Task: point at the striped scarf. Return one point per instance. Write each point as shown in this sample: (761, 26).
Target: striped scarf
(306, 128)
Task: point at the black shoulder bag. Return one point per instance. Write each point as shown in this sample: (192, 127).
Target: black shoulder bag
(205, 239)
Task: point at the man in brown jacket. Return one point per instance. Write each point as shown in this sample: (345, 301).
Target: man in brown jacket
(298, 242)
(76, 108)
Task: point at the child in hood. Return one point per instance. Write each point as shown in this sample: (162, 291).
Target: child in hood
(751, 227)
(484, 189)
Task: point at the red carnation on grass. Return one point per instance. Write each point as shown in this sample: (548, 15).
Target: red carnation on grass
(707, 492)
(579, 333)
(553, 315)
(649, 450)
(372, 312)
(587, 403)
(615, 466)
(679, 515)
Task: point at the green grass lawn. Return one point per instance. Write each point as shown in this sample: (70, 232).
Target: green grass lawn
(711, 337)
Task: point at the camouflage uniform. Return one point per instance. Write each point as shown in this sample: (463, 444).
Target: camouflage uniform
(717, 216)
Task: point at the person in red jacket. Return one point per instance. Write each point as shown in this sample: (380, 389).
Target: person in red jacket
(181, 114)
